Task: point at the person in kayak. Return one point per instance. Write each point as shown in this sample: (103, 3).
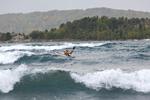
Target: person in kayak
(68, 53)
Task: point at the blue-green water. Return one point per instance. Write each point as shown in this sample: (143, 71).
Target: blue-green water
(98, 70)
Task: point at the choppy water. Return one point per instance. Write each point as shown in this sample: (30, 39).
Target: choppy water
(105, 70)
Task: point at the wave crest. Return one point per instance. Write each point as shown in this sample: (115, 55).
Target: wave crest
(13, 53)
(47, 47)
(8, 78)
(24, 79)
(13, 56)
(138, 80)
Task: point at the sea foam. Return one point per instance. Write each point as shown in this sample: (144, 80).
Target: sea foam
(8, 78)
(138, 80)
(11, 53)
(47, 47)
(12, 56)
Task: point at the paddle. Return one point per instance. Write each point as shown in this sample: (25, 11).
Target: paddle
(73, 48)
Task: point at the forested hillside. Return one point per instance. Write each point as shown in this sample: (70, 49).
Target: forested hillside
(90, 28)
(26, 23)
(99, 28)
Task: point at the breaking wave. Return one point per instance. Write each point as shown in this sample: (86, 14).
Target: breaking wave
(12, 56)
(138, 81)
(8, 78)
(25, 79)
(13, 53)
(22, 47)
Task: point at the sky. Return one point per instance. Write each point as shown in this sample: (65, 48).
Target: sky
(25, 6)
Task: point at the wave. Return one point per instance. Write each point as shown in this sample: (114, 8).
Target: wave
(142, 56)
(27, 59)
(8, 78)
(51, 81)
(23, 47)
(15, 53)
(138, 81)
(12, 56)
(110, 44)
(24, 79)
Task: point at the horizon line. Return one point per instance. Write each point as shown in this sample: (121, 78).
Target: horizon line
(40, 11)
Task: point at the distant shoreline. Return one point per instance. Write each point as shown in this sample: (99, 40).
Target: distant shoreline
(63, 40)
(88, 29)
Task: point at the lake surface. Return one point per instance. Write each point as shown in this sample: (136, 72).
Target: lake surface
(97, 70)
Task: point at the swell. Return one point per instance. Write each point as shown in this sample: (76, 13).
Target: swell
(20, 53)
(24, 79)
(138, 81)
(40, 59)
(58, 81)
(33, 47)
(50, 81)
(142, 56)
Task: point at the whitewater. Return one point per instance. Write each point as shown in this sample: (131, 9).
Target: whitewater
(107, 70)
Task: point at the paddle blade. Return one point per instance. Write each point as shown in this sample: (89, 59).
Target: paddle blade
(73, 48)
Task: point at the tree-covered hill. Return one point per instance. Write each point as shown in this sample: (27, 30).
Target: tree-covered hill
(90, 28)
(98, 28)
(26, 23)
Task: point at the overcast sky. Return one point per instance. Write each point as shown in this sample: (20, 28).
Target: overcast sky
(24, 6)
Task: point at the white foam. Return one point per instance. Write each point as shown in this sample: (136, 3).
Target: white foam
(147, 39)
(8, 78)
(47, 48)
(89, 44)
(11, 57)
(11, 53)
(138, 80)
